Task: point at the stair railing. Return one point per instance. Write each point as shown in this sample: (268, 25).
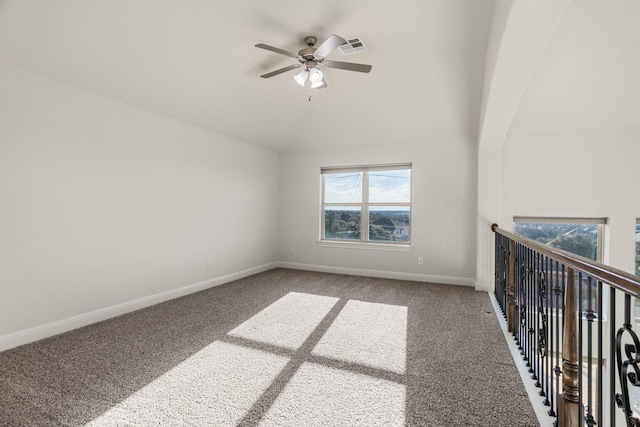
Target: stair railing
(574, 323)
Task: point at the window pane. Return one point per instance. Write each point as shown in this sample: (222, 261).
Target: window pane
(343, 187)
(392, 186)
(342, 222)
(390, 224)
(638, 249)
(579, 239)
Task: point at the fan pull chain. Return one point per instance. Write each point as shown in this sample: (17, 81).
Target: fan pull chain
(309, 96)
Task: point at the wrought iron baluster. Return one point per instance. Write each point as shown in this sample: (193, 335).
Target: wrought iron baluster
(554, 338)
(511, 285)
(600, 388)
(632, 353)
(580, 339)
(544, 332)
(590, 317)
(505, 274)
(563, 299)
(539, 292)
(542, 329)
(497, 239)
(580, 333)
(535, 320)
(612, 356)
(519, 288)
(516, 293)
(523, 304)
(501, 273)
(530, 313)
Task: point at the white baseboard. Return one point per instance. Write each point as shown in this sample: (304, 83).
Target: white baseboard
(484, 286)
(417, 277)
(54, 328)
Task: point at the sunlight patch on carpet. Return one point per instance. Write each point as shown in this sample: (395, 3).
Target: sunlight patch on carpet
(214, 387)
(346, 398)
(288, 322)
(369, 334)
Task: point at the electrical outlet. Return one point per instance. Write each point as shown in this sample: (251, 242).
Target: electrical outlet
(209, 265)
(420, 261)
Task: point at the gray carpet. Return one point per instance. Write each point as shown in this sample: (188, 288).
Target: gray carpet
(281, 348)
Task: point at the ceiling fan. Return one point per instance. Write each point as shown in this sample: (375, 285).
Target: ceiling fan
(311, 58)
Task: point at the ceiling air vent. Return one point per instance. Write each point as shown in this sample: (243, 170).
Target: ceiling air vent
(354, 45)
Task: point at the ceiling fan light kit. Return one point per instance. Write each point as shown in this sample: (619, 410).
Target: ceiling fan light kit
(317, 79)
(301, 77)
(312, 58)
(313, 75)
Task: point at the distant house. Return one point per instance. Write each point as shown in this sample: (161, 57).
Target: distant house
(401, 231)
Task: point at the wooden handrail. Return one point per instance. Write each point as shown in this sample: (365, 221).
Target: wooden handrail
(618, 279)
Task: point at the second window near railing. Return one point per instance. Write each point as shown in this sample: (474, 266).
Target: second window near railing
(638, 247)
(367, 204)
(580, 236)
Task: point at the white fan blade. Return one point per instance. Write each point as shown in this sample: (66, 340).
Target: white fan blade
(280, 71)
(328, 45)
(277, 50)
(362, 68)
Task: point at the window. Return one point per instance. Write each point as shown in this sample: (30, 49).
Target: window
(580, 236)
(367, 204)
(638, 247)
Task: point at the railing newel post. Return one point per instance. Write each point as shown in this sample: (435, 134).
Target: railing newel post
(569, 405)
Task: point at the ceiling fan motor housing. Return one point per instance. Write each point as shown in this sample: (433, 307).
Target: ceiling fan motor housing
(307, 53)
(310, 64)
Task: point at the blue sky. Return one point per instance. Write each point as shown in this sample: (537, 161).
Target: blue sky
(384, 187)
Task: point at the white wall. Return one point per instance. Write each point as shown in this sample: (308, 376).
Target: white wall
(592, 174)
(443, 212)
(103, 203)
(520, 32)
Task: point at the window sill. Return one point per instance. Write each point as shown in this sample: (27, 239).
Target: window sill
(366, 246)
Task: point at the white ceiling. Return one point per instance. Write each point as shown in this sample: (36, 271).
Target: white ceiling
(195, 61)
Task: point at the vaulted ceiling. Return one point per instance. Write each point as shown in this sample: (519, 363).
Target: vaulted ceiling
(436, 64)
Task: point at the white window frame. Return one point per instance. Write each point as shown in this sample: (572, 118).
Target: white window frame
(364, 204)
